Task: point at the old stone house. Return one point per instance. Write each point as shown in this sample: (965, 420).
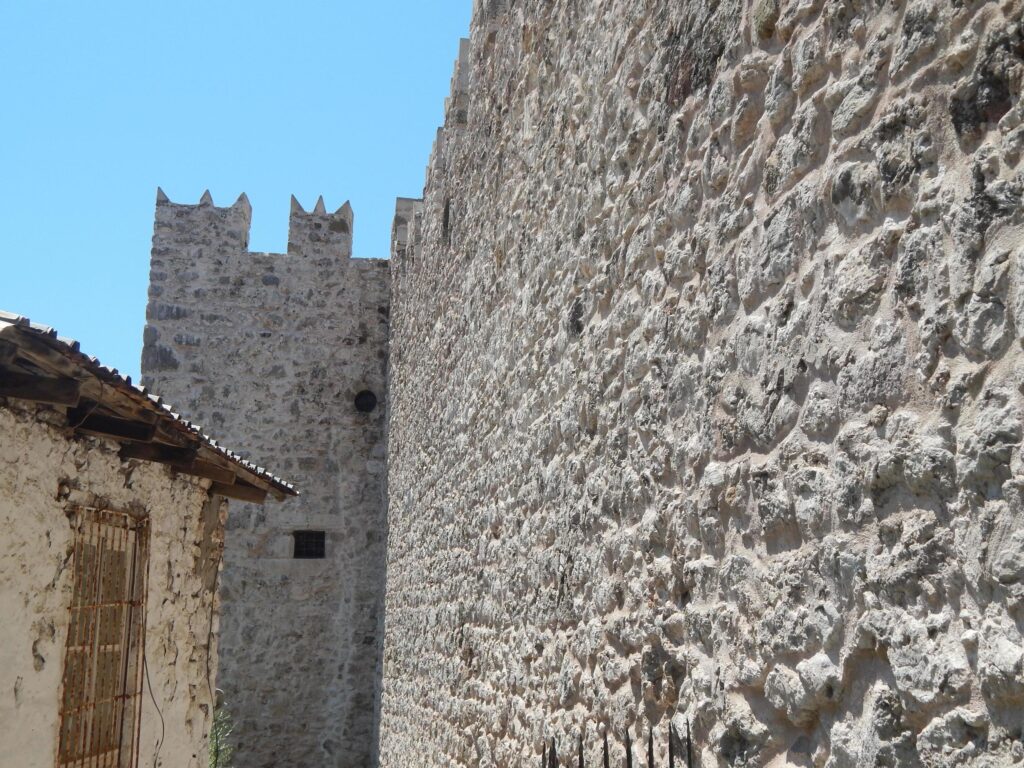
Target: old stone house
(112, 512)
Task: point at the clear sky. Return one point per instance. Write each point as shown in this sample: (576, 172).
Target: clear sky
(101, 102)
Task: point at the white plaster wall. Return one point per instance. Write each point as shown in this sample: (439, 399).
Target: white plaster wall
(40, 472)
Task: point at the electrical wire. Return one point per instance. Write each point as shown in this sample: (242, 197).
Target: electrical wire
(91, 410)
(209, 634)
(149, 684)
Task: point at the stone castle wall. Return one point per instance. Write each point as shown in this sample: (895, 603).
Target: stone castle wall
(705, 392)
(267, 352)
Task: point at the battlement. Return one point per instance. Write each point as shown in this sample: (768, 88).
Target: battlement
(203, 275)
(319, 233)
(405, 228)
(315, 234)
(456, 105)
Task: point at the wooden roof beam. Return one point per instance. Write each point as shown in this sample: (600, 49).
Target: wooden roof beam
(250, 477)
(8, 352)
(184, 461)
(39, 389)
(240, 491)
(84, 419)
(200, 468)
(158, 453)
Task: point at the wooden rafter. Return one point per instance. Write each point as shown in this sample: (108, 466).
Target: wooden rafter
(211, 471)
(159, 453)
(8, 352)
(184, 461)
(240, 491)
(85, 419)
(39, 389)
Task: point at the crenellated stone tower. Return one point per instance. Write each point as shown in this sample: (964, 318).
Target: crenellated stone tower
(287, 355)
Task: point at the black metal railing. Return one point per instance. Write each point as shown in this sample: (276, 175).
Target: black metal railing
(680, 751)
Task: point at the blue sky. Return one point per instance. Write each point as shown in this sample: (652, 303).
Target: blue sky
(102, 102)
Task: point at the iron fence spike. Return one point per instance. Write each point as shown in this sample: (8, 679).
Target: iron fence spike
(689, 750)
(607, 763)
(629, 750)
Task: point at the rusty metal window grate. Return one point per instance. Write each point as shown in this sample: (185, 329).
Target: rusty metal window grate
(102, 689)
(310, 545)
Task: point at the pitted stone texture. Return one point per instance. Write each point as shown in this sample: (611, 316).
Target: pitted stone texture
(268, 351)
(706, 388)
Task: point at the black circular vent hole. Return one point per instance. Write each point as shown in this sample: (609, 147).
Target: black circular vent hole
(366, 401)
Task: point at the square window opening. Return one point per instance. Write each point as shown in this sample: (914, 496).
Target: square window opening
(310, 545)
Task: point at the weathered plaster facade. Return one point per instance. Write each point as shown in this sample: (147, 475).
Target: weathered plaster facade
(268, 351)
(42, 472)
(705, 389)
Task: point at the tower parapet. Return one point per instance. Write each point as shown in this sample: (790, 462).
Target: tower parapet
(205, 228)
(319, 233)
(456, 106)
(202, 224)
(405, 227)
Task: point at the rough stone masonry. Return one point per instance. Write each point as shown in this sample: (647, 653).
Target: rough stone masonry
(270, 351)
(705, 388)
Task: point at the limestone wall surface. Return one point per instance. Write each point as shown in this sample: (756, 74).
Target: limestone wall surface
(706, 388)
(267, 352)
(41, 474)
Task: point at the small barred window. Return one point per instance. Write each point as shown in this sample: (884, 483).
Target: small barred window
(310, 545)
